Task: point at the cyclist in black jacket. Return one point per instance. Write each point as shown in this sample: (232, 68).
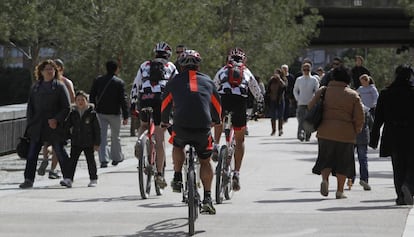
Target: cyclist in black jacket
(197, 107)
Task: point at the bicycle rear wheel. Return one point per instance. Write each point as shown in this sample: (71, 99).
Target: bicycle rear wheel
(145, 171)
(219, 174)
(227, 169)
(192, 202)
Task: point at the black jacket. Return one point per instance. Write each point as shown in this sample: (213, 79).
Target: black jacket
(196, 101)
(111, 100)
(47, 100)
(394, 111)
(83, 131)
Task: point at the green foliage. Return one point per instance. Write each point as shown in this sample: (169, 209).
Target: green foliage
(87, 33)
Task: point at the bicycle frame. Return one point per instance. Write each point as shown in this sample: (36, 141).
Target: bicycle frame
(146, 153)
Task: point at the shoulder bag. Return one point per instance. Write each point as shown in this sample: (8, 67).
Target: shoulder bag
(313, 117)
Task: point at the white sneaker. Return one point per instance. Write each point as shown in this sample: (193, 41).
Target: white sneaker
(93, 183)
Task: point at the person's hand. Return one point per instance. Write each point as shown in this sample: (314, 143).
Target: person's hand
(95, 148)
(52, 123)
(125, 122)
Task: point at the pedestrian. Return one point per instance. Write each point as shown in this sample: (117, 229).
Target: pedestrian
(47, 148)
(83, 130)
(108, 95)
(336, 62)
(149, 83)
(343, 118)
(290, 101)
(394, 113)
(357, 71)
(368, 92)
(179, 49)
(303, 90)
(196, 104)
(361, 147)
(47, 109)
(275, 101)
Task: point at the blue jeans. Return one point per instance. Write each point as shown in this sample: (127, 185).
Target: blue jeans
(114, 122)
(33, 156)
(362, 151)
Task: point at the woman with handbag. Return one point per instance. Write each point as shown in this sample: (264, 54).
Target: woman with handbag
(47, 108)
(342, 120)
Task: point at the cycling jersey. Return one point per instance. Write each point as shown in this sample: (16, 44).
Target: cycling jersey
(142, 85)
(248, 83)
(194, 98)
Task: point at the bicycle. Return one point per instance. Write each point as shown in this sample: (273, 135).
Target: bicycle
(225, 163)
(146, 154)
(191, 187)
(185, 172)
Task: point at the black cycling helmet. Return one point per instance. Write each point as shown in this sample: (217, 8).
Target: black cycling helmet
(189, 58)
(163, 48)
(237, 54)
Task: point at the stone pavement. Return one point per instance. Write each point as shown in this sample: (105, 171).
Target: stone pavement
(288, 202)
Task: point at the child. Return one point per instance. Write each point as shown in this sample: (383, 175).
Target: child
(83, 128)
(362, 142)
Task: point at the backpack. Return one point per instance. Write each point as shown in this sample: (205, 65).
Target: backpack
(235, 73)
(157, 70)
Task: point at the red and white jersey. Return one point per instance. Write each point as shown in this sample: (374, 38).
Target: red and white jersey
(248, 83)
(140, 84)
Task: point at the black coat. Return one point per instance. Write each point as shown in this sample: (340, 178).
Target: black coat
(47, 101)
(83, 131)
(111, 100)
(394, 111)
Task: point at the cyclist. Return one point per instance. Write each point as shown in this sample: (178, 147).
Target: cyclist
(196, 105)
(146, 92)
(233, 99)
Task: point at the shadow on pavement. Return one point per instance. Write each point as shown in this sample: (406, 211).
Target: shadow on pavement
(160, 229)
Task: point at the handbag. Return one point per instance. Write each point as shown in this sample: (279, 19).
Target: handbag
(22, 148)
(313, 117)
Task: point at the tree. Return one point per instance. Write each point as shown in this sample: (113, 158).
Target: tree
(87, 33)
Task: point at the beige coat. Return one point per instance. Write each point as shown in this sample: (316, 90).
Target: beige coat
(343, 115)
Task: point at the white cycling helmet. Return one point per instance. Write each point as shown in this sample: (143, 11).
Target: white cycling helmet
(237, 53)
(189, 58)
(163, 48)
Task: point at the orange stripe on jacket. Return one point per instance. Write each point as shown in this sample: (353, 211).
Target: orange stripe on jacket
(192, 76)
(166, 101)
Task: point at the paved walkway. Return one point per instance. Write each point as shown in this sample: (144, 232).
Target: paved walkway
(287, 204)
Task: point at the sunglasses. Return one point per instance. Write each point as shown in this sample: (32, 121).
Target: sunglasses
(306, 69)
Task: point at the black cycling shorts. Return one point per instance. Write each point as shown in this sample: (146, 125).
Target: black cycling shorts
(236, 104)
(201, 139)
(154, 101)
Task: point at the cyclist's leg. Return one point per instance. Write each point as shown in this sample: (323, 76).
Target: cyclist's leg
(178, 156)
(203, 145)
(159, 146)
(239, 149)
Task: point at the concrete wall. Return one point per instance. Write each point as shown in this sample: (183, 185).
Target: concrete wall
(12, 126)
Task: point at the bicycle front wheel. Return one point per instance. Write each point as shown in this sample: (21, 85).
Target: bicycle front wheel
(145, 172)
